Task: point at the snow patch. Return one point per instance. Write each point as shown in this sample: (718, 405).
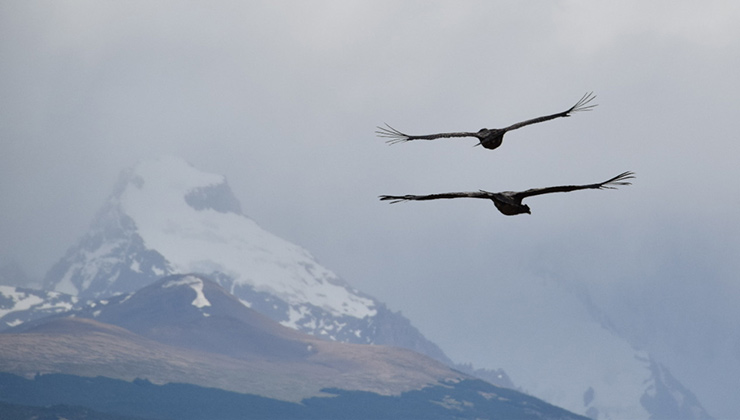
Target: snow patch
(14, 323)
(65, 284)
(58, 307)
(295, 314)
(21, 300)
(194, 283)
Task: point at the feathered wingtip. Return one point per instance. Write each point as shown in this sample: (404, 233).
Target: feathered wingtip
(392, 198)
(618, 180)
(394, 136)
(583, 103)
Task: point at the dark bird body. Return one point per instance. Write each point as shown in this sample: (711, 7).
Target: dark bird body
(490, 138)
(510, 202)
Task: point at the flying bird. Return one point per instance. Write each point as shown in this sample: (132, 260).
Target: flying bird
(490, 138)
(510, 202)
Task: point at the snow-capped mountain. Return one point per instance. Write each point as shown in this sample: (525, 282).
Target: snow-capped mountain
(166, 217)
(19, 305)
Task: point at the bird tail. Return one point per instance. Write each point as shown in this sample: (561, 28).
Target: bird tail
(618, 180)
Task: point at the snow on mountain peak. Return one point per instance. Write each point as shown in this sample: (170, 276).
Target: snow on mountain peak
(166, 217)
(209, 241)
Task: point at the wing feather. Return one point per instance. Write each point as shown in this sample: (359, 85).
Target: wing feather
(581, 105)
(395, 136)
(612, 183)
(398, 198)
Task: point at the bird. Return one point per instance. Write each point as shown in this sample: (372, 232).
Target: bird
(489, 138)
(509, 202)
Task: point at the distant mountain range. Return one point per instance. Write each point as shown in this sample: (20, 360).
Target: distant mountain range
(166, 219)
(196, 350)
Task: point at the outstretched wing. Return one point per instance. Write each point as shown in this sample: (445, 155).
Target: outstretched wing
(612, 183)
(398, 198)
(581, 105)
(395, 136)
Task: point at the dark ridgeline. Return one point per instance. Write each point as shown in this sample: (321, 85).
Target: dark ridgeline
(79, 398)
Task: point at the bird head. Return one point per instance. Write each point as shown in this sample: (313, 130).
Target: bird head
(526, 209)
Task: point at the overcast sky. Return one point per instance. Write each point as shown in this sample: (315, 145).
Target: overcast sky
(283, 98)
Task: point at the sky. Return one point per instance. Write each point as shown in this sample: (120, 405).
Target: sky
(283, 99)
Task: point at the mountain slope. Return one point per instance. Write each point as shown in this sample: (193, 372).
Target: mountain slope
(555, 344)
(188, 330)
(163, 331)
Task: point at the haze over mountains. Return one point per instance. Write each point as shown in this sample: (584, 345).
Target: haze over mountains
(167, 218)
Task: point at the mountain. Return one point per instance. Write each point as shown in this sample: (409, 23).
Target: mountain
(561, 347)
(166, 217)
(163, 330)
(191, 348)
